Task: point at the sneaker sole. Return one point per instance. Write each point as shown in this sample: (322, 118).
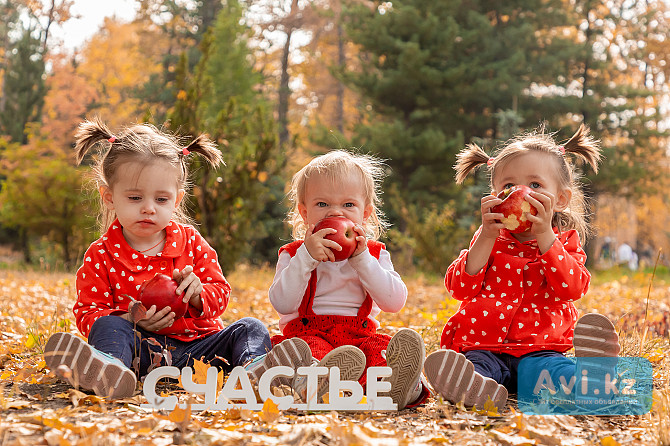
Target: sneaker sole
(453, 376)
(87, 370)
(405, 355)
(293, 352)
(349, 359)
(595, 335)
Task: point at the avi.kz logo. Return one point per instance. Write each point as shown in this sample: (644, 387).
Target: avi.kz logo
(585, 386)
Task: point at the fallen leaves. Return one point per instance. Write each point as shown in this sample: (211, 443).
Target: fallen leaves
(35, 408)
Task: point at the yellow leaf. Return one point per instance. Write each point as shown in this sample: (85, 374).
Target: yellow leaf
(489, 409)
(609, 441)
(181, 417)
(32, 341)
(178, 415)
(270, 412)
(262, 177)
(200, 372)
(182, 95)
(655, 356)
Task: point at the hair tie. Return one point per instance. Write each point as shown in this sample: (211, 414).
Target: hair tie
(490, 161)
(185, 151)
(111, 139)
(562, 149)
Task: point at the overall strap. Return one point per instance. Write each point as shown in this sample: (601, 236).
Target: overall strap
(305, 308)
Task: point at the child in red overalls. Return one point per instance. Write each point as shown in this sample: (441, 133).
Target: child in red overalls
(517, 289)
(332, 306)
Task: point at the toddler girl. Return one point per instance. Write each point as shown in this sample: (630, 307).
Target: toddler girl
(330, 307)
(517, 289)
(142, 174)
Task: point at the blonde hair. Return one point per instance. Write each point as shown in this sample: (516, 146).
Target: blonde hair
(581, 144)
(336, 165)
(142, 143)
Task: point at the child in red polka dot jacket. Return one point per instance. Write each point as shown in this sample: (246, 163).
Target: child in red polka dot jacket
(142, 175)
(517, 289)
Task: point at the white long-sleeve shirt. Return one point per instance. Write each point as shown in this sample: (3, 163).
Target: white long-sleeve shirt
(341, 286)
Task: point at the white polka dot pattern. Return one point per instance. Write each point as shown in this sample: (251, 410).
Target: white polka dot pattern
(504, 298)
(122, 271)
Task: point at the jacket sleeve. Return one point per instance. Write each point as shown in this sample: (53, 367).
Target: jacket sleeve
(380, 280)
(563, 266)
(291, 279)
(94, 292)
(215, 293)
(461, 285)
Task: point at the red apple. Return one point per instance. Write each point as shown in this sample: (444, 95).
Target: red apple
(515, 208)
(161, 291)
(345, 235)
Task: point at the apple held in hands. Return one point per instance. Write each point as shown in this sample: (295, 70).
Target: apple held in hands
(515, 208)
(161, 291)
(345, 235)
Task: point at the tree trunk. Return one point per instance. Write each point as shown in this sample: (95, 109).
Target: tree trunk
(587, 59)
(284, 93)
(341, 60)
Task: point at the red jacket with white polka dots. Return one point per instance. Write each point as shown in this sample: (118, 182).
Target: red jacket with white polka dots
(521, 300)
(112, 270)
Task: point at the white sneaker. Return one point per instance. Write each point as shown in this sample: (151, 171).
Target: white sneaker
(405, 355)
(453, 376)
(292, 352)
(77, 362)
(351, 362)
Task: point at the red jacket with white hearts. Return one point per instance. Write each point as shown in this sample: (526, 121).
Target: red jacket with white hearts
(112, 270)
(521, 300)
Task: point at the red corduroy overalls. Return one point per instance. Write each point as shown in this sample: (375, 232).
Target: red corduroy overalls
(325, 332)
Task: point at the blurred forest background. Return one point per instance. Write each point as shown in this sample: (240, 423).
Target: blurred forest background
(278, 81)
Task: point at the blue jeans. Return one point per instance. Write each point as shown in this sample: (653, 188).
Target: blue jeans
(234, 345)
(504, 368)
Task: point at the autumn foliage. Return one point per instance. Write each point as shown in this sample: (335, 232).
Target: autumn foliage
(35, 407)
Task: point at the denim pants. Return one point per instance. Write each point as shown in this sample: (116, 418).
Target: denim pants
(234, 345)
(504, 368)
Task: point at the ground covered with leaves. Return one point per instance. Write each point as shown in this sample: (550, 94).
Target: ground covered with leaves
(36, 408)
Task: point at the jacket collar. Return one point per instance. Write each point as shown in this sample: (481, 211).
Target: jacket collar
(118, 247)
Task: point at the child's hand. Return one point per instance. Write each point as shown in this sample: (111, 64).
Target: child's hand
(544, 202)
(490, 227)
(319, 247)
(361, 240)
(156, 320)
(190, 285)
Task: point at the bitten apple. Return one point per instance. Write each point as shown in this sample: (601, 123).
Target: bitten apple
(345, 235)
(515, 208)
(160, 290)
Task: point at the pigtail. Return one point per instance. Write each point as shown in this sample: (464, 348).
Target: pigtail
(88, 134)
(204, 147)
(584, 146)
(468, 159)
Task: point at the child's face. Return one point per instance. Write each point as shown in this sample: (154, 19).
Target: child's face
(536, 170)
(327, 198)
(144, 198)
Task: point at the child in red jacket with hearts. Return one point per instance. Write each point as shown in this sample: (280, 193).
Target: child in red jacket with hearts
(142, 175)
(517, 289)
